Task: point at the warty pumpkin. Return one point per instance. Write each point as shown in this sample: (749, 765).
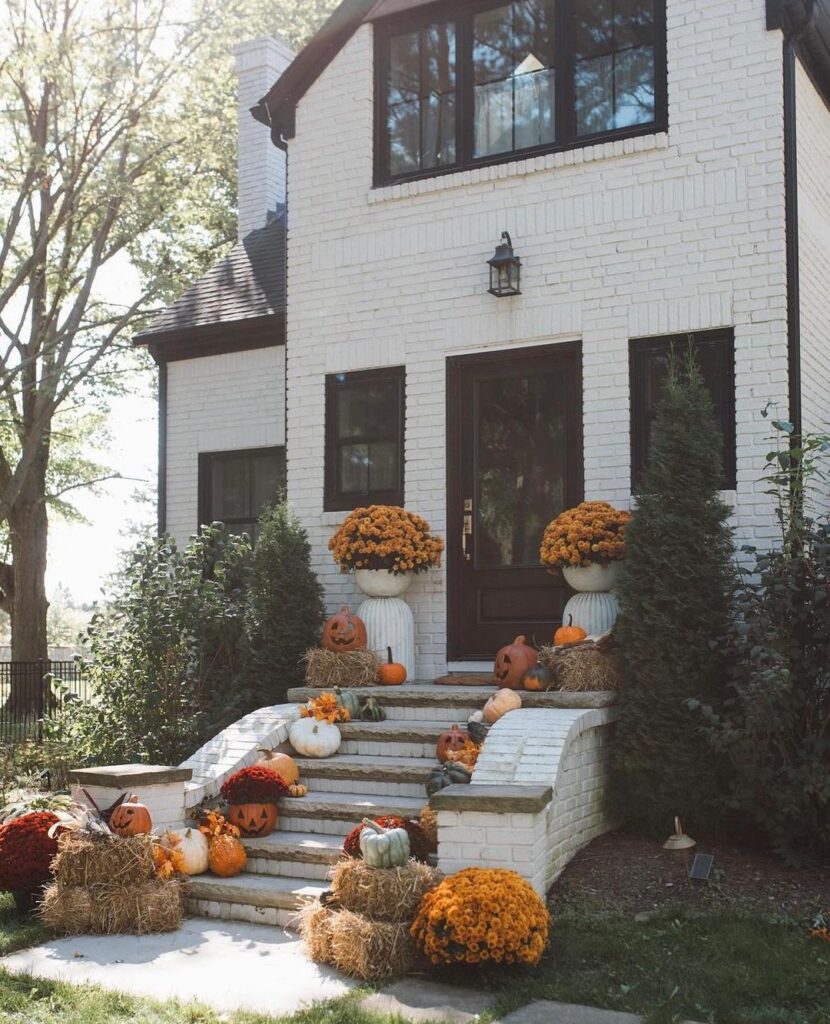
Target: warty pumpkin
(227, 856)
(500, 703)
(344, 632)
(513, 661)
(383, 847)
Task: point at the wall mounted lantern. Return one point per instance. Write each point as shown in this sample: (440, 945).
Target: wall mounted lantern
(505, 269)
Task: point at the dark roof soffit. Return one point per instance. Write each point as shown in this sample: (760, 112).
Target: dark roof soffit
(810, 20)
(216, 339)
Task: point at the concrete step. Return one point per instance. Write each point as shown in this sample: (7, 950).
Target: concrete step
(255, 898)
(336, 814)
(426, 695)
(293, 854)
(391, 739)
(367, 773)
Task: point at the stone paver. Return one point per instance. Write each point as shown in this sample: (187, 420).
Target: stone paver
(226, 965)
(546, 1012)
(417, 999)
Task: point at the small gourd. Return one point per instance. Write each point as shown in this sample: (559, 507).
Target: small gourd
(392, 673)
(314, 739)
(383, 847)
(569, 634)
(297, 789)
(371, 711)
(447, 774)
(538, 678)
(500, 703)
(452, 739)
(513, 661)
(349, 700)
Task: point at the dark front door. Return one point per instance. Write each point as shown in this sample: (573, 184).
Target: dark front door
(514, 461)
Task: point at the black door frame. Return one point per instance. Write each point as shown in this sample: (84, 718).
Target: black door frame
(455, 367)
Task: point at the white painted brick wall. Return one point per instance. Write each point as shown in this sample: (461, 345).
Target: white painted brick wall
(165, 802)
(260, 165)
(667, 233)
(813, 133)
(218, 403)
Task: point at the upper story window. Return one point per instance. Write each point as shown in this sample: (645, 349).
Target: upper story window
(490, 81)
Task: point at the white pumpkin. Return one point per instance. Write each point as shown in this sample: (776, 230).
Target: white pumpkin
(314, 739)
(193, 845)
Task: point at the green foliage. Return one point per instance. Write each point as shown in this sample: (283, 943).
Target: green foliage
(775, 725)
(285, 610)
(675, 597)
(168, 653)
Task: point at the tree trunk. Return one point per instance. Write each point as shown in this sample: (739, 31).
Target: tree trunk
(28, 527)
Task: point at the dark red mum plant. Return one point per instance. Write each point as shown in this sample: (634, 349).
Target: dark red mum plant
(255, 785)
(26, 851)
(418, 846)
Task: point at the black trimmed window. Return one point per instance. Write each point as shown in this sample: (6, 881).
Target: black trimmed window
(649, 361)
(364, 439)
(236, 487)
(492, 81)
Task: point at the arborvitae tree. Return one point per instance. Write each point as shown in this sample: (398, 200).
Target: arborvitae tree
(285, 606)
(676, 593)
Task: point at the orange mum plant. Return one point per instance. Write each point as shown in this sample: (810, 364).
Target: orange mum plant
(482, 915)
(325, 709)
(385, 537)
(592, 532)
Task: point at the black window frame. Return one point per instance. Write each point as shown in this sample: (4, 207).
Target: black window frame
(565, 111)
(205, 484)
(334, 499)
(640, 350)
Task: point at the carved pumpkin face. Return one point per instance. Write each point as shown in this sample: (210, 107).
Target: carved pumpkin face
(452, 739)
(512, 662)
(131, 818)
(253, 819)
(344, 632)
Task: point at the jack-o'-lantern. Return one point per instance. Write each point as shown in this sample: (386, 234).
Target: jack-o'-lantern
(130, 818)
(344, 632)
(452, 739)
(512, 662)
(253, 819)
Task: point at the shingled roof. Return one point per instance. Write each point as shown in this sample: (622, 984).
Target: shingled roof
(240, 297)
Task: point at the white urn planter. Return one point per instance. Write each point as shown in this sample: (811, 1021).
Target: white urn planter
(387, 617)
(594, 606)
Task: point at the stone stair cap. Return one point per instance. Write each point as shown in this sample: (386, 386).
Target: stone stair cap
(127, 776)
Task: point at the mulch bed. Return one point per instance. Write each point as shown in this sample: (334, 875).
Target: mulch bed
(631, 874)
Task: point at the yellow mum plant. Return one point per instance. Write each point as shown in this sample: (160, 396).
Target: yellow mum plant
(592, 532)
(482, 915)
(385, 537)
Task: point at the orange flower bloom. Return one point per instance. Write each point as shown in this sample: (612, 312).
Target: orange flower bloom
(592, 532)
(385, 537)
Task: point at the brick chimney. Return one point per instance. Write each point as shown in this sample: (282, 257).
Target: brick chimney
(259, 63)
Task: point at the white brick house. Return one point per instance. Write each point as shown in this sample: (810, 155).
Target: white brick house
(661, 169)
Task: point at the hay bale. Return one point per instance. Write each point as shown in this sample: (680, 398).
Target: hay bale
(429, 826)
(327, 669)
(314, 926)
(385, 894)
(88, 859)
(581, 667)
(67, 909)
(104, 909)
(367, 949)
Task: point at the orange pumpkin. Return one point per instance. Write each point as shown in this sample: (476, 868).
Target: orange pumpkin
(452, 739)
(130, 818)
(392, 673)
(512, 662)
(227, 856)
(283, 764)
(253, 819)
(344, 632)
(569, 634)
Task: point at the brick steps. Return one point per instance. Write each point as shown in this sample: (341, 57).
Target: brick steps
(250, 897)
(368, 773)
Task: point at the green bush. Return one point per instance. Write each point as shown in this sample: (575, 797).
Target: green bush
(285, 609)
(675, 593)
(774, 727)
(168, 653)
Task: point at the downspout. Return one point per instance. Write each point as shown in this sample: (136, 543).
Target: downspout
(793, 34)
(162, 442)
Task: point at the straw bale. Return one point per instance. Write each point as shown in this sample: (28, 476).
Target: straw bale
(367, 949)
(385, 894)
(88, 859)
(327, 669)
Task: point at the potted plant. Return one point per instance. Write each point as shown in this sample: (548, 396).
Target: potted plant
(27, 847)
(252, 795)
(385, 546)
(586, 544)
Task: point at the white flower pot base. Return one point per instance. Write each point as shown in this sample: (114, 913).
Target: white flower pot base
(595, 612)
(389, 623)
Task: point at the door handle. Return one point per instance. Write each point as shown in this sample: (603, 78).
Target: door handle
(467, 529)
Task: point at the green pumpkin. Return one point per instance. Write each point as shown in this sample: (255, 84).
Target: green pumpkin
(447, 774)
(478, 731)
(384, 847)
(371, 711)
(349, 700)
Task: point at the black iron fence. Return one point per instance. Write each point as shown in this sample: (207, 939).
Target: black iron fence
(31, 692)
